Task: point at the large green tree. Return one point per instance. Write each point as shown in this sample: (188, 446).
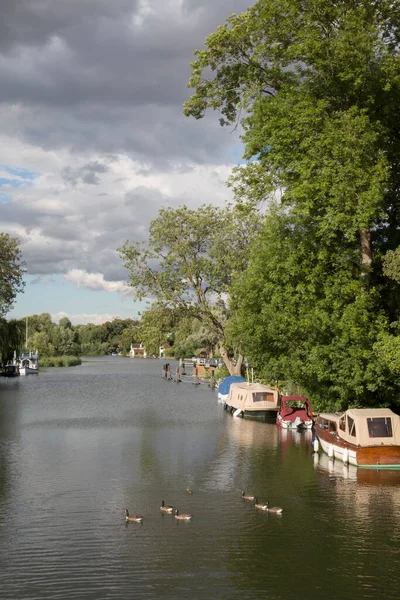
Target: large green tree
(11, 283)
(11, 272)
(315, 86)
(188, 264)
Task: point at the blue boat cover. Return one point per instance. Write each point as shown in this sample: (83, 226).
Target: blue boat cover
(226, 383)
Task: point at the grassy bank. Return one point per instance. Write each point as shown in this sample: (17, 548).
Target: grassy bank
(59, 361)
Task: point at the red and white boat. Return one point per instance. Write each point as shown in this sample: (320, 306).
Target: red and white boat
(295, 413)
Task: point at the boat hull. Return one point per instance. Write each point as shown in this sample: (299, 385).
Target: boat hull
(28, 371)
(296, 424)
(369, 457)
(265, 415)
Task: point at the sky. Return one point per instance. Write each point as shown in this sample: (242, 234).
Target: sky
(93, 140)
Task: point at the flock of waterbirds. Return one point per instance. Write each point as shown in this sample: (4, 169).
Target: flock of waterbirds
(272, 509)
(170, 510)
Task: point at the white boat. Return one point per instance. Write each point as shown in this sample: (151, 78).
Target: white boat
(29, 363)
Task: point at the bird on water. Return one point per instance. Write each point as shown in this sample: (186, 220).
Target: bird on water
(166, 509)
(134, 518)
(247, 496)
(182, 516)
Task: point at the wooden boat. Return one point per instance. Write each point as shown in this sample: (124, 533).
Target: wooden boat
(252, 400)
(364, 437)
(295, 413)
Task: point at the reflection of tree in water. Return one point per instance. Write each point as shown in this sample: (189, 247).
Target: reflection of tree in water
(8, 410)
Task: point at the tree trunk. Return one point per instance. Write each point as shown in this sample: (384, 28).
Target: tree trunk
(233, 368)
(366, 253)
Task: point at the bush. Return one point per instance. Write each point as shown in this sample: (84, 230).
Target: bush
(59, 361)
(221, 372)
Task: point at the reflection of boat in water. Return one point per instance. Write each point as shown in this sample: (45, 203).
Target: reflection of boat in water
(295, 413)
(364, 437)
(372, 477)
(252, 400)
(296, 436)
(225, 386)
(253, 434)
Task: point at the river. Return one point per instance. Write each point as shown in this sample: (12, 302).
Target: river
(79, 445)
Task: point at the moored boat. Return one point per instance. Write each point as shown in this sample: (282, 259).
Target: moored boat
(364, 437)
(252, 400)
(295, 412)
(29, 363)
(10, 371)
(225, 385)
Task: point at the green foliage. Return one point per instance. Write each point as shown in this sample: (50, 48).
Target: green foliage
(316, 87)
(11, 339)
(303, 315)
(156, 328)
(60, 361)
(221, 372)
(391, 264)
(188, 264)
(11, 271)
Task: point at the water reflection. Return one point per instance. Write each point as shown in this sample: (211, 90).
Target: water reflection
(77, 446)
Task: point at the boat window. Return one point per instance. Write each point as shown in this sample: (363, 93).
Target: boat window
(351, 426)
(260, 396)
(342, 423)
(332, 427)
(380, 427)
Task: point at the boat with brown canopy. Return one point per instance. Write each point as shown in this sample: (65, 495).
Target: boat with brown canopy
(253, 400)
(364, 437)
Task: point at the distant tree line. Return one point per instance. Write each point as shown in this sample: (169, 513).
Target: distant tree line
(65, 339)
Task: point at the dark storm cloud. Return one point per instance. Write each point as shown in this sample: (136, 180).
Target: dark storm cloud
(92, 85)
(86, 75)
(87, 174)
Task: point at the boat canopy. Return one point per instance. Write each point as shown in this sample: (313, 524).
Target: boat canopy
(225, 385)
(365, 426)
(293, 405)
(252, 397)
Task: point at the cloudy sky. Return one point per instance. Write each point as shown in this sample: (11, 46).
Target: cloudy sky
(93, 140)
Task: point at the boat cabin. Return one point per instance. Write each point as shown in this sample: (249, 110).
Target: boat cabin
(253, 398)
(363, 426)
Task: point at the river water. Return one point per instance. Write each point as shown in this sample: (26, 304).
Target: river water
(79, 445)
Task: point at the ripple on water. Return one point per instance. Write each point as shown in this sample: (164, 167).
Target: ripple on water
(79, 445)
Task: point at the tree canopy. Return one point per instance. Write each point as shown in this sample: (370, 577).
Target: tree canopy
(315, 87)
(11, 272)
(188, 265)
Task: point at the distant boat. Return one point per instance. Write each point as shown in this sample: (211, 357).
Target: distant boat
(10, 371)
(295, 413)
(252, 400)
(29, 363)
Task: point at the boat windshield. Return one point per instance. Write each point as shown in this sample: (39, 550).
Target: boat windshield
(380, 427)
(260, 396)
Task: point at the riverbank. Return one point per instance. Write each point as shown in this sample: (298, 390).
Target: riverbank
(60, 361)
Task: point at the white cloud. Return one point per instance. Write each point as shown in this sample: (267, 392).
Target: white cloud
(96, 281)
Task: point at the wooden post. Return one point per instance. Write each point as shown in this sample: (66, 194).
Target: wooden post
(177, 375)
